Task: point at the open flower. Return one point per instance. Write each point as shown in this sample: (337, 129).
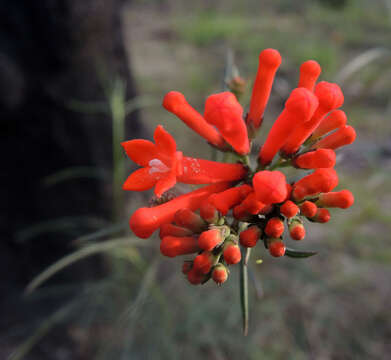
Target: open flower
(163, 166)
(160, 162)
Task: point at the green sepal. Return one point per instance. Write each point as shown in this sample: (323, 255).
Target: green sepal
(299, 254)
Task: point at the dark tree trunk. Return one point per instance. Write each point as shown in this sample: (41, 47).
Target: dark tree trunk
(49, 52)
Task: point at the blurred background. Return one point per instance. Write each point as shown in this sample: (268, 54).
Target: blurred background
(79, 77)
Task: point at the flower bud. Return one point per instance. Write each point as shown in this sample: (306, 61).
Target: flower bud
(270, 186)
(250, 236)
(322, 216)
(186, 266)
(343, 136)
(321, 158)
(335, 120)
(219, 274)
(209, 213)
(176, 103)
(145, 221)
(224, 111)
(203, 262)
(342, 199)
(308, 209)
(276, 247)
(330, 97)
(289, 209)
(269, 61)
(321, 180)
(252, 205)
(229, 198)
(174, 230)
(296, 230)
(194, 277)
(172, 246)
(231, 253)
(299, 108)
(189, 219)
(309, 73)
(209, 239)
(274, 227)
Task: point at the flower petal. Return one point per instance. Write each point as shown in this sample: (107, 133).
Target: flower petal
(165, 143)
(165, 184)
(140, 180)
(140, 151)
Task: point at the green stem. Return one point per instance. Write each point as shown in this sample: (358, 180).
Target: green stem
(244, 289)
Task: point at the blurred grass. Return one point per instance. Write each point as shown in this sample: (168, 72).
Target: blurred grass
(332, 306)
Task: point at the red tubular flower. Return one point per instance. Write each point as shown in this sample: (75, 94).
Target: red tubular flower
(145, 221)
(252, 205)
(334, 120)
(199, 171)
(232, 253)
(299, 109)
(176, 103)
(224, 111)
(308, 209)
(209, 213)
(250, 236)
(309, 73)
(229, 198)
(190, 220)
(203, 262)
(270, 186)
(276, 247)
(274, 227)
(161, 163)
(321, 180)
(173, 230)
(342, 199)
(194, 277)
(321, 158)
(289, 209)
(322, 216)
(343, 136)
(296, 230)
(219, 274)
(330, 97)
(209, 239)
(269, 61)
(172, 246)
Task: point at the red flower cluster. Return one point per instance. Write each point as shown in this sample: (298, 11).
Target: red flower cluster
(240, 205)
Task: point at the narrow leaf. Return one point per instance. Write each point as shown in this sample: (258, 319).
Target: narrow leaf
(298, 253)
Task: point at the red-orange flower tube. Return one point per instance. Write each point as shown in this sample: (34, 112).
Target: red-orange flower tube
(342, 199)
(176, 103)
(270, 186)
(224, 111)
(334, 120)
(172, 246)
(199, 171)
(343, 136)
(173, 230)
(229, 198)
(252, 205)
(145, 221)
(321, 158)
(330, 97)
(321, 180)
(299, 108)
(309, 73)
(269, 61)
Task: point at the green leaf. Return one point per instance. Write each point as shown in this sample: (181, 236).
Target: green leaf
(299, 254)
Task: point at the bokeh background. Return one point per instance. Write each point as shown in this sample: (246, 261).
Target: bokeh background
(79, 77)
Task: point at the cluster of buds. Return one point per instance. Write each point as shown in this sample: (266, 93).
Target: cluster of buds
(242, 205)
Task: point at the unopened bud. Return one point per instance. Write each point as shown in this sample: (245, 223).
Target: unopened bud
(274, 227)
(250, 236)
(219, 274)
